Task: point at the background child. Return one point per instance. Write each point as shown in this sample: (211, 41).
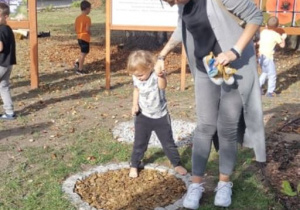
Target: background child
(7, 60)
(82, 28)
(150, 111)
(269, 38)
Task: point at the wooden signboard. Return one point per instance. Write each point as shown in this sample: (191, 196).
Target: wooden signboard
(31, 24)
(140, 15)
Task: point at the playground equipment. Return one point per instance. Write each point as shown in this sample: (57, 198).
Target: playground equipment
(287, 11)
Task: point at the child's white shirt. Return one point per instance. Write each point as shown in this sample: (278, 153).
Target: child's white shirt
(152, 100)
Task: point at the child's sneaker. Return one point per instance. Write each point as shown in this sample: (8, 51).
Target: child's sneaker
(270, 95)
(209, 64)
(8, 117)
(76, 64)
(211, 69)
(80, 72)
(223, 195)
(193, 196)
(228, 77)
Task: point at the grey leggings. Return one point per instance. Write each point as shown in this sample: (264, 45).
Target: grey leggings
(5, 90)
(218, 110)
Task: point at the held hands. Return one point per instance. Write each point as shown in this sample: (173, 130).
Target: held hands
(159, 67)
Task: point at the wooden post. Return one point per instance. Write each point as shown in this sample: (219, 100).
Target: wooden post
(107, 44)
(183, 69)
(30, 24)
(34, 73)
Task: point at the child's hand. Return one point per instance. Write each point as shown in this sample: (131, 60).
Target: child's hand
(134, 110)
(284, 36)
(159, 68)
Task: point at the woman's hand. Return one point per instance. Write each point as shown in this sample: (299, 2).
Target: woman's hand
(225, 58)
(159, 67)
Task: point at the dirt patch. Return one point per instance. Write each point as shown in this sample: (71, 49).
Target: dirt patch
(283, 149)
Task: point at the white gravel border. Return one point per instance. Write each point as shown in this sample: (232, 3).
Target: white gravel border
(182, 133)
(69, 184)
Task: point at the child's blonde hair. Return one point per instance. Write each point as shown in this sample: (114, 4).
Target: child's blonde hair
(140, 60)
(4, 9)
(272, 22)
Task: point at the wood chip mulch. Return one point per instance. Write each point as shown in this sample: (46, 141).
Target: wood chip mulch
(116, 190)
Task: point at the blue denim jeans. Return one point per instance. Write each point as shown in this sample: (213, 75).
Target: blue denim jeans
(268, 73)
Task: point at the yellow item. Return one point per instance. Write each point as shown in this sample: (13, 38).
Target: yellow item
(224, 72)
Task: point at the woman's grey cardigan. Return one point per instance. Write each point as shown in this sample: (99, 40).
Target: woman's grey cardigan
(227, 32)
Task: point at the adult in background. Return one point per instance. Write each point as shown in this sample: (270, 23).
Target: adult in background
(226, 114)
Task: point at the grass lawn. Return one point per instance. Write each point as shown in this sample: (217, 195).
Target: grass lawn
(70, 119)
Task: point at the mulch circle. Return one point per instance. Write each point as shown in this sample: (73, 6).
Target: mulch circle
(114, 189)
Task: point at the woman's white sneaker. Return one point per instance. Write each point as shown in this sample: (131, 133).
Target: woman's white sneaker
(223, 194)
(193, 196)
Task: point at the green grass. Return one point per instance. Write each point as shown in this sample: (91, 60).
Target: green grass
(58, 22)
(36, 182)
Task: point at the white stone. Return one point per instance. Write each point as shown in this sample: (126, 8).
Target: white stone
(182, 133)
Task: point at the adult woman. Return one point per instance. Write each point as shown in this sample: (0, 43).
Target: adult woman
(227, 113)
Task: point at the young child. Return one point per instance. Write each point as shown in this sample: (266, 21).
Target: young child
(269, 38)
(7, 60)
(150, 111)
(82, 28)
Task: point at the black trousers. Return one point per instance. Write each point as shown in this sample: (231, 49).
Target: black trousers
(162, 127)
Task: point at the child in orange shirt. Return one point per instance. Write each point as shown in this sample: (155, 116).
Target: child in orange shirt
(82, 28)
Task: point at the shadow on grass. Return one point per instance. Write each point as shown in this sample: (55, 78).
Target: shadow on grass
(42, 104)
(23, 130)
(287, 78)
(61, 80)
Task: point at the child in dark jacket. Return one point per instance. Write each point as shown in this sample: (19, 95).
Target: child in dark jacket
(7, 60)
